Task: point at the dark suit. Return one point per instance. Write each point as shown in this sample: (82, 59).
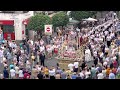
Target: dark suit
(42, 58)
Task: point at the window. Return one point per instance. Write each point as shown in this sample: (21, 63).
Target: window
(8, 28)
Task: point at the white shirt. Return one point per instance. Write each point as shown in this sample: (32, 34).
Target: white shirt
(70, 66)
(49, 49)
(106, 49)
(112, 35)
(101, 55)
(2, 47)
(41, 42)
(17, 70)
(87, 74)
(27, 62)
(76, 64)
(105, 63)
(42, 48)
(104, 73)
(5, 65)
(1, 53)
(81, 74)
(21, 73)
(51, 72)
(12, 72)
(114, 58)
(106, 32)
(108, 38)
(39, 68)
(31, 42)
(100, 76)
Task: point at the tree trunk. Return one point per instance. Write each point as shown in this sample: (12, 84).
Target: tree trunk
(39, 33)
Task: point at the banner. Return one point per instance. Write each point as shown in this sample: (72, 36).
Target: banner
(48, 29)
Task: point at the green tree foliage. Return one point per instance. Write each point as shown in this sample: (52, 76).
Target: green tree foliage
(38, 21)
(60, 19)
(79, 15)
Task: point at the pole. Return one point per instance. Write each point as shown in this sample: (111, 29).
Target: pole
(62, 47)
(77, 42)
(79, 39)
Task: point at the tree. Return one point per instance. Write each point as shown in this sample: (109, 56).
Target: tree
(60, 19)
(38, 21)
(79, 15)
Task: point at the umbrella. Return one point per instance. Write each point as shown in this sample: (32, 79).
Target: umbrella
(71, 21)
(90, 19)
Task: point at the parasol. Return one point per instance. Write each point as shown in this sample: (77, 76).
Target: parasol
(90, 19)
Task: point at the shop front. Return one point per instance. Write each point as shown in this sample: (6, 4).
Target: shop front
(8, 29)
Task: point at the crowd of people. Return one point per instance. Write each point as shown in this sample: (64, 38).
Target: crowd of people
(27, 59)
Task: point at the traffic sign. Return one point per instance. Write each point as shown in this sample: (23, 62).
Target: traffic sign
(48, 29)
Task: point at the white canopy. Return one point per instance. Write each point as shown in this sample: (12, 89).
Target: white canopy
(90, 19)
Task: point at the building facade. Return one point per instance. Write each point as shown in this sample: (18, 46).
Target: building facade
(13, 23)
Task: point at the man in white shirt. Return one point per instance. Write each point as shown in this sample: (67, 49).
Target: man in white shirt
(21, 74)
(100, 75)
(52, 74)
(76, 65)
(42, 48)
(70, 66)
(12, 73)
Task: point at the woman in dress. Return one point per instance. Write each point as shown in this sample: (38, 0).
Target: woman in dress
(87, 55)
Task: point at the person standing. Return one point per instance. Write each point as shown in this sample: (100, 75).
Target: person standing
(76, 65)
(70, 66)
(40, 75)
(12, 73)
(63, 74)
(1, 55)
(111, 75)
(17, 71)
(42, 58)
(108, 41)
(52, 73)
(21, 75)
(93, 72)
(5, 73)
(33, 59)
